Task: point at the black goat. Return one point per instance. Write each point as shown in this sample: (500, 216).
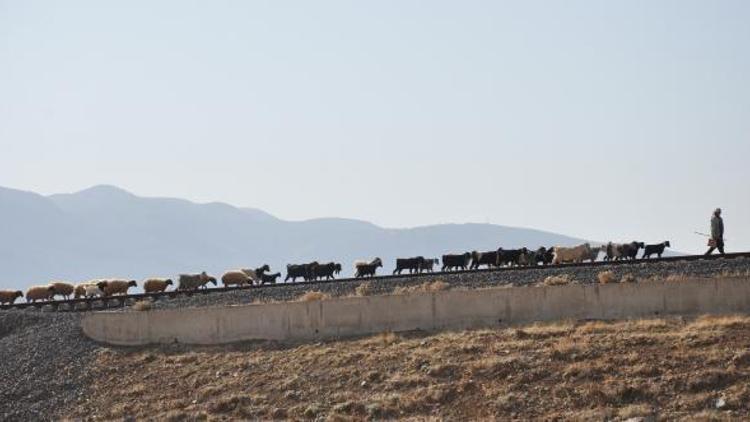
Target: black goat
(530, 258)
(428, 264)
(411, 264)
(306, 271)
(630, 250)
(269, 278)
(657, 249)
(545, 255)
(367, 269)
(260, 270)
(326, 271)
(456, 261)
(510, 256)
(483, 258)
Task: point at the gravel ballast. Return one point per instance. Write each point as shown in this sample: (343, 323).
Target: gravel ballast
(44, 357)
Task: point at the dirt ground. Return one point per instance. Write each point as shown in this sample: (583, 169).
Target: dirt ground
(661, 368)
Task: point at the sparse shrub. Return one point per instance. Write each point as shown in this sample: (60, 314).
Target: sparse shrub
(733, 274)
(634, 411)
(313, 296)
(507, 402)
(142, 305)
(628, 278)
(584, 371)
(711, 380)
(364, 289)
(566, 348)
(349, 408)
(521, 334)
(676, 277)
(619, 394)
(741, 358)
(180, 416)
(230, 404)
(557, 280)
(606, 277)
(313, 410)
(374, 410)
(385, 338)
(435, 286)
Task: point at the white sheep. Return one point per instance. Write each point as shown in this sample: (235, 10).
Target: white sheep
(237, 278)
(80, 290)
(574, 254)
(92, 290)
(195, 281)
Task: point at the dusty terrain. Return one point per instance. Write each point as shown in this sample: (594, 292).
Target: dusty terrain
(666, 368)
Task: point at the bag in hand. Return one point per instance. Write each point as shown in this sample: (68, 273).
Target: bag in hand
(711, 243)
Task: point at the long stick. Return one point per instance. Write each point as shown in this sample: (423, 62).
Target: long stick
(707, 235)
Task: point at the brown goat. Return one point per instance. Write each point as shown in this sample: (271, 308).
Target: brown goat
(9, 296)
(156, 285)
(40, 293)
(115, 287)
(62, 289)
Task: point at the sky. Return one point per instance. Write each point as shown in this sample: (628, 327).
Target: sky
(614, 120)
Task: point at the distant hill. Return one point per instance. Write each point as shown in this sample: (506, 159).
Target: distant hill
(105, 231)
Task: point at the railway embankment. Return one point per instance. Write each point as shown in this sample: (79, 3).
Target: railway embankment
(638, 271)
(327, 318)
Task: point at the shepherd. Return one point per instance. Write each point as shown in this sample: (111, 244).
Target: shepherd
(717, 233)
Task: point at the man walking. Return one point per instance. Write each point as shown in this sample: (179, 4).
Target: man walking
(717, 233)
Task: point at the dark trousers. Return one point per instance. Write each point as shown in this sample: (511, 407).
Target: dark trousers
(719, 245)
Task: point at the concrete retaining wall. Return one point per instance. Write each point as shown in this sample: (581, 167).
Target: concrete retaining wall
(455, 309)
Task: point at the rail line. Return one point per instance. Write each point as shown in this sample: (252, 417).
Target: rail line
(99, 303)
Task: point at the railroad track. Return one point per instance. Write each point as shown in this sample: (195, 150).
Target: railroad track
(88, 304)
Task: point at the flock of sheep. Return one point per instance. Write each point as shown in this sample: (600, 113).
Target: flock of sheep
(316, 271)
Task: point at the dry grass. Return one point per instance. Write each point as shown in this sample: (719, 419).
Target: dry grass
(385, 339)
(435, 286)
(675, 278)
(557, 280)
(364, 289)
(718, 322)
(667, 369)
(634, 411)
(313, 296)
(142, 305)
(733, 274)
(628, 278)
(606, 277)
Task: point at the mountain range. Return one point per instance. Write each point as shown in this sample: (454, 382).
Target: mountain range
(105, 231)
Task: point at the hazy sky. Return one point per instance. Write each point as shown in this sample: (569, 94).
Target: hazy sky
(613, 120)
